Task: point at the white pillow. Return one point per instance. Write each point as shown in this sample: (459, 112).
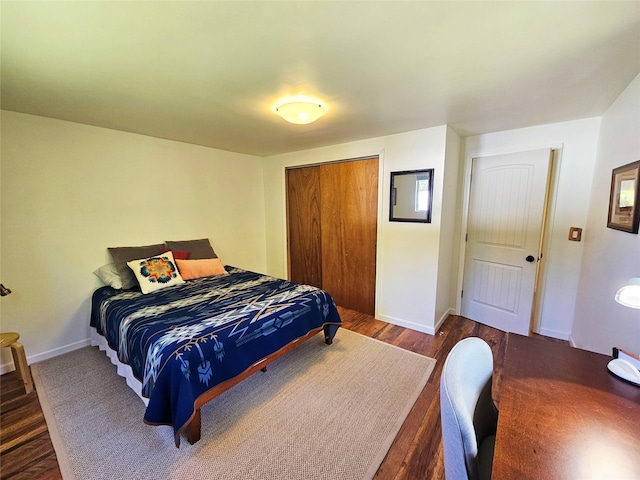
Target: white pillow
(109, 275)
(156, 272)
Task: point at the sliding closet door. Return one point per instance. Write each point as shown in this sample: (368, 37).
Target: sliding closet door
(332, 212)
(349, 193)
(303, 213)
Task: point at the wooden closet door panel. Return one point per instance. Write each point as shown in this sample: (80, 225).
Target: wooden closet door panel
(304, 229)
(349, 192)
(333, 274)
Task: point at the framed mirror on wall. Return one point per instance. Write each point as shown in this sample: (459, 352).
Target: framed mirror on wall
(411, 196)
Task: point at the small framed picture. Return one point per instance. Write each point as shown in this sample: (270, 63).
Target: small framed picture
(624, 211)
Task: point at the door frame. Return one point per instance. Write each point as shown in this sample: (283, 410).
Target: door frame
(548, 215)
(381, 205)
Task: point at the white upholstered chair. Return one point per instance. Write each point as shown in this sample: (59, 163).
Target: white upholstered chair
(469, 416)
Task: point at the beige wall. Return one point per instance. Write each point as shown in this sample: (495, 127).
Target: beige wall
(576, 143)
(450, 231)
(69, 191)
(610, 256)
(408, 253)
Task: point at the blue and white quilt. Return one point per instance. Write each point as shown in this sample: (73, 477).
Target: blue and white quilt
(182, 340)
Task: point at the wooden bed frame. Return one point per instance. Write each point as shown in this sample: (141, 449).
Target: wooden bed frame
(193, 427)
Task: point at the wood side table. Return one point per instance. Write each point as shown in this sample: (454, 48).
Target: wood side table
(10, 339)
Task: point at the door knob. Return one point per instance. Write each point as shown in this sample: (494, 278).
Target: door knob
(530, 258)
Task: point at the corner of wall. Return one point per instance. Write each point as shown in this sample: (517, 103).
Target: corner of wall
(449, 229)
(610, 256)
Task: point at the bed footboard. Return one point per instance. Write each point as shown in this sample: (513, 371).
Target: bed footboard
(192, 429)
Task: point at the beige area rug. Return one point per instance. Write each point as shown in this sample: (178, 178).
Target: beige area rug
(319, 412)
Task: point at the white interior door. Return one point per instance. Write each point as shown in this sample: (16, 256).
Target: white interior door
(504, 227)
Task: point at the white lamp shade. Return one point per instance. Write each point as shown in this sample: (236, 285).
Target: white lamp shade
(301, 111)
(629, 295)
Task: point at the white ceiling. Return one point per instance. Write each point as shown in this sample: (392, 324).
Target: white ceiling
(208, 73)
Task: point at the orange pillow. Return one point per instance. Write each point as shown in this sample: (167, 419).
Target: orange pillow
(206, 267)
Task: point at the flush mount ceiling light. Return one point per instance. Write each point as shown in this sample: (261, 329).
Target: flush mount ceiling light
(301, 110)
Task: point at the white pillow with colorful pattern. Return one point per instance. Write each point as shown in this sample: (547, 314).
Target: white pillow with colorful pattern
(156, 272)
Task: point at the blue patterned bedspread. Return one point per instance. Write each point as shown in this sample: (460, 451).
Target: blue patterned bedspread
(183, 340)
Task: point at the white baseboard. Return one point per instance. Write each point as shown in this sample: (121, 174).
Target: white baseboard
(406, 324)
(554, 334)
(572, 342)
(8, 367)
(451, 311)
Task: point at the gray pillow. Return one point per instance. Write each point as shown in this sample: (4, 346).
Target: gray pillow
(198, 249)
(122, 255)
(109, 276)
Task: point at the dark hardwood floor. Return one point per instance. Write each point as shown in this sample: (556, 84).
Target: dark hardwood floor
(417, 450)
(26, 451)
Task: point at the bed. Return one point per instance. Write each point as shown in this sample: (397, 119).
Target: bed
(184, 345)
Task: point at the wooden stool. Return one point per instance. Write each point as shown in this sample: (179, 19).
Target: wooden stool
(10, 339)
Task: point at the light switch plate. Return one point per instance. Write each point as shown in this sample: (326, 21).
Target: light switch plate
(575, 234)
